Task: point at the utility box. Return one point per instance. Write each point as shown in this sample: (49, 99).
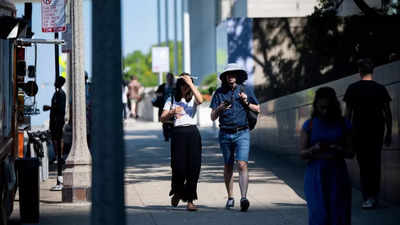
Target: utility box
(28, 184)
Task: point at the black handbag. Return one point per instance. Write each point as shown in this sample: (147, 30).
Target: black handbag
(158, 101)
(251, 115)
(252, 118)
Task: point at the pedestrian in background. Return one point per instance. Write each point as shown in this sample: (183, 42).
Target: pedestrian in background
(134, 90)
(368, 109)
(185, 141)
(325, 141)
(230, 104)
(124, 100)
(163, 92)
(57, 121)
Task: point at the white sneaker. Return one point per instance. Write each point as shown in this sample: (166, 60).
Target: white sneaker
(60, 179)
(58, 187)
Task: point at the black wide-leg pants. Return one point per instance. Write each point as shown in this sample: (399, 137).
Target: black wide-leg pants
(185, 162)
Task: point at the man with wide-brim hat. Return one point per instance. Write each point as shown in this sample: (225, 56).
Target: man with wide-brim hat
(230, 103)
(233, 68)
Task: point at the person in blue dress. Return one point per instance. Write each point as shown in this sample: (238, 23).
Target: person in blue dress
(325, 141)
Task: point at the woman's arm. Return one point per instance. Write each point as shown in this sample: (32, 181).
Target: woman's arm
(196, 92)
(306, 153)
(345, 151)
(166, 115)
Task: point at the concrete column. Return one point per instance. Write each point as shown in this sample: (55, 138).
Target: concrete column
(108, 205)
(77, 176)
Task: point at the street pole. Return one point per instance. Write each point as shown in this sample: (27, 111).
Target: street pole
(182, 33)
(77, 176)
(159, 35)
(108, 205)
(186, 35)
(166, 24)
(56, 56)
(175, 37)
(159, 21)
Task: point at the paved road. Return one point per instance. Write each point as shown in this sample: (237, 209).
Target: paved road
(275, 190)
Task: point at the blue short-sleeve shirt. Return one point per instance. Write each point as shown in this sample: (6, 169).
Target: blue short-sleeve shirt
(236, 116)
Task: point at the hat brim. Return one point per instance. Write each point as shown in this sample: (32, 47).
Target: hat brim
(241, 76)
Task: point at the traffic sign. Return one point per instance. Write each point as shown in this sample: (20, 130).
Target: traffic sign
(160, 59)
(53, 15)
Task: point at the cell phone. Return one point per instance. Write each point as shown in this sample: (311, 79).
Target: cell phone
(227, 103)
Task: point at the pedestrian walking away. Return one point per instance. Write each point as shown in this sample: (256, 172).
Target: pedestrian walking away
(185, 141)
(124, 100)
(325, 141)
(135, 96)
(368, 109)
(230, 103)
(163, 92)
(57, 121)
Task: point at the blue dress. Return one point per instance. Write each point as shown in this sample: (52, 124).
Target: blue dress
(326, 182)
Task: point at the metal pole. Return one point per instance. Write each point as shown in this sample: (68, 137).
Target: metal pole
(182, 33)
(56, 56)
(160, 81)
(186, 35)
(159, 22)
(166, 24)
(108, 153)
(176, 37)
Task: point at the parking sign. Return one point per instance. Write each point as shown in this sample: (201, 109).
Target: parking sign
(160, 59)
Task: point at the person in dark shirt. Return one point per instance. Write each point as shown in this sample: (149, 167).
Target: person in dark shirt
(164, 91)
(57, 121)
(230, 103)
(367, 107)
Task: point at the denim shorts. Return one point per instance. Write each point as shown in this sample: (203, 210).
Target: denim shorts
(235, 146)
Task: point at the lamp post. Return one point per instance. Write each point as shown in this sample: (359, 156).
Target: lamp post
(77, 176)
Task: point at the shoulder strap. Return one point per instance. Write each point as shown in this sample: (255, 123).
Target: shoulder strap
(172, 102)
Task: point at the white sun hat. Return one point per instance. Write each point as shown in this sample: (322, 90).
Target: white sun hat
(239, 71)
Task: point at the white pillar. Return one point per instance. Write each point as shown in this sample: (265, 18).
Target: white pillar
(77, 176)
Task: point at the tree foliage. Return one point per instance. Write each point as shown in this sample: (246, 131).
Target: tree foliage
(209, 84)
(389, 7)
(138, 64)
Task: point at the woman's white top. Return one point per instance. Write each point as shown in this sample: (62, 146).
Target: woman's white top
(124, 94)
(187, 111)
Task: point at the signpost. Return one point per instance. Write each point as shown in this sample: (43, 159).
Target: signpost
(53, 16)
(160, 61)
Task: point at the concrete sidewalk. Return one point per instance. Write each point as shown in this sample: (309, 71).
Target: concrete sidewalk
(275, 190)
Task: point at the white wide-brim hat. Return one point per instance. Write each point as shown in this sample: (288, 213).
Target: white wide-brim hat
(239, 71)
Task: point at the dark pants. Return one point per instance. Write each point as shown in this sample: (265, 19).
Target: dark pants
(185, 162)
(368, 148)
(124, 112)
(167, 129)
(60, 160)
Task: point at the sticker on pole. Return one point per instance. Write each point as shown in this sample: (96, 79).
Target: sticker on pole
(160, 59)
(53, 15)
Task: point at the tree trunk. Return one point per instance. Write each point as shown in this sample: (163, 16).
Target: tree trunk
(364, 7)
